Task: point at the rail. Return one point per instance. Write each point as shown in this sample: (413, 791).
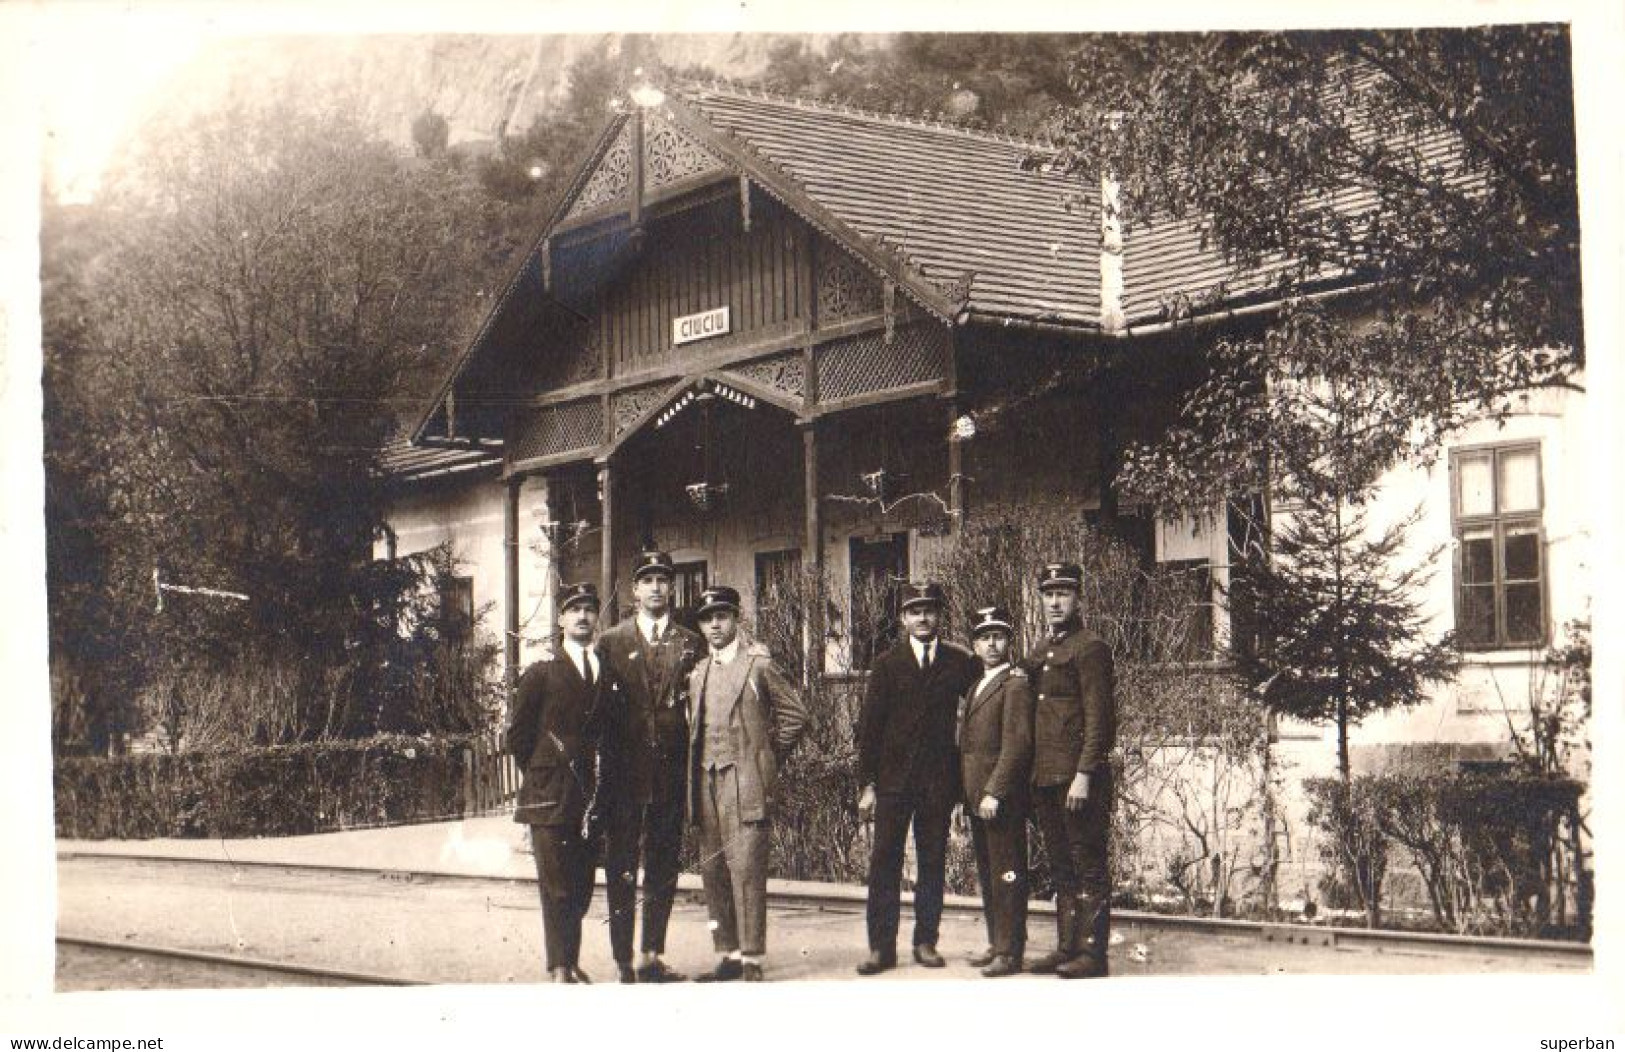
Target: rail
(228, 960)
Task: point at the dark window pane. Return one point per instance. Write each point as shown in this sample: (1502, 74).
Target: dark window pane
(1522, 554)
(1524, 622)
(1477, 626)
(1478, 558)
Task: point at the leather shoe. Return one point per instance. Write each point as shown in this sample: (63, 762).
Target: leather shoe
(927, 956)
(580, 976)
(562, 975)
(983, 959)
(625, 973)
(1047, 964)
(727, 970)
(1001, 966)
(660, 972)
(753, 972)
(879, 961)
(1083, 966)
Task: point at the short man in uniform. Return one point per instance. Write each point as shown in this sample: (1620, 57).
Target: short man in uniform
(1074, 725)
(909, 770)
(996, 753)
(744, 719)
(645, 766)
(552, 733)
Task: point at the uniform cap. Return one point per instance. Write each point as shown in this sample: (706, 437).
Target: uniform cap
(920, 593)
(577, 595)
(718, 597)
(1060, 575)
(987, 618)
(653, 562)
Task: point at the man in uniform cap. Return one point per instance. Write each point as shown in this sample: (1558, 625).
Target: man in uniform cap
(743, 721)
(909, 770)
(552, 732)
(1074, 725)
(645, 767)
(996, 753)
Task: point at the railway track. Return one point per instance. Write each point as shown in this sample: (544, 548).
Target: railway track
(802, 895)
(201, 962)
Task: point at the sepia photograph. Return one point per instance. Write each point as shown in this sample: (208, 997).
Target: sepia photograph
(825, 507)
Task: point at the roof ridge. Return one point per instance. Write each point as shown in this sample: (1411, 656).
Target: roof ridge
(739, 89)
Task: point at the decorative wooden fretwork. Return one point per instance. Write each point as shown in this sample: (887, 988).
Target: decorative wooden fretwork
(582, 362)
(627, 407)
(565, 428)
(611, 181)
(670, 156)
(845, 289)
(867, 364)
(786, 373)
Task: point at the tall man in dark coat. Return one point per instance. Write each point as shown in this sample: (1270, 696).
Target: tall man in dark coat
(552, 732)
(1074, 725)
(909, 770)
(996, 754)
(645, 766)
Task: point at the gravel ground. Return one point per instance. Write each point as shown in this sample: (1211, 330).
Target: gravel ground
(455, 930)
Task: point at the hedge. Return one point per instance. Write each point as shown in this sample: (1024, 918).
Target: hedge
(284, 790)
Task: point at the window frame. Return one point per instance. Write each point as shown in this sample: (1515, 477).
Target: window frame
(1498, 523)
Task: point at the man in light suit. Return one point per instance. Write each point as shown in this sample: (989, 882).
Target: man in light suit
(996, 754)
(909, 770)
(743, 721)
(644, 767)
(552, 732)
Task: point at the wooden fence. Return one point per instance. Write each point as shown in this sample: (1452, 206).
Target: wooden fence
(490, 777)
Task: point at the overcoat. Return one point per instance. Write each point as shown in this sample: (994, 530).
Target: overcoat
(645, 745)
(764, 724)
(906, 728)
(553, 733)
(996, 741)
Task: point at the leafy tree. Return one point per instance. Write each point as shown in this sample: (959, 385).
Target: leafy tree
(1435, 168)
(265, 281)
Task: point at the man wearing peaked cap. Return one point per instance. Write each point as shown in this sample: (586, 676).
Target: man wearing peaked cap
(996, 752)
(909, 770)
(1074, 725)
(553, 732)
(645, 766)
(744, 719)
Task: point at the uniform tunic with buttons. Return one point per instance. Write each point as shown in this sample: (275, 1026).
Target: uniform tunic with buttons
(1074, 718)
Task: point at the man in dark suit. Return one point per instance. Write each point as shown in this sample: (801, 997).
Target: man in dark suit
(996, 753)
(645, 767)
(1074, 725)
(552, 732)
(744, 721)
(909, 770)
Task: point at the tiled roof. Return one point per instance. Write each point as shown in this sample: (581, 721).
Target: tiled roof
(405, 462)
(949, 200)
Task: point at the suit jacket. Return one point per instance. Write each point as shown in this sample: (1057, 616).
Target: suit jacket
(646, 741)
(1075, 715)
(553, 733)
(906, 727)
(764, 724)
(996, 741)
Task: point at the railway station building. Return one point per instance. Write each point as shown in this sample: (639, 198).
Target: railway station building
(767, 334)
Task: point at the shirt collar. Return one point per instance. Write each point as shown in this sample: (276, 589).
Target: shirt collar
(576, 650)
(988, 674)
(919, 647)
(652, 627)
(726, 655)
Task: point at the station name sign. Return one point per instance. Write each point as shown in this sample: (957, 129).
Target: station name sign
(702, 326)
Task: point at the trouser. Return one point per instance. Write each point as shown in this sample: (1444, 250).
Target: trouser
(1001, 870)
(733, 866)
(654, 832)
(929, 813)
(1076, 842)
(564, 876)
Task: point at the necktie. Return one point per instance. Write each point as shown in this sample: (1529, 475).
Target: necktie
(586, 668)
(925, 663)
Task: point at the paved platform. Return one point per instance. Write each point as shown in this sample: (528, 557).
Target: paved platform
(456, 903)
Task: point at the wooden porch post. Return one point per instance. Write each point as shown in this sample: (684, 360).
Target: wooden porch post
(956, 471)
(510, 581)
(813, 548)
(606, 573)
